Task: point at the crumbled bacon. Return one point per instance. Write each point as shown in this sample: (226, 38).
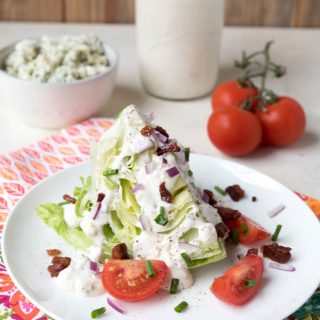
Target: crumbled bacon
(222, 230)
(162, 131)
(69, 199)
(53, 252)
(146, 131)
(165, 194)
(235, 192)
(100, 197)
(172, 147)
(212, 200)
(58, 264)
(252, 251)
(120, 252)
(276, 253)
(228, 213)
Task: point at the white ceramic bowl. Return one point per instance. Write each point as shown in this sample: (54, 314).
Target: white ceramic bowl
(55, 105)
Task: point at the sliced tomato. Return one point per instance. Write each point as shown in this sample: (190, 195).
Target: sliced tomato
(249, 231)
(231, 287)
(128, 280)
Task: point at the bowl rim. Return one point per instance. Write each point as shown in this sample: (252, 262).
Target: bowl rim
(112, 66)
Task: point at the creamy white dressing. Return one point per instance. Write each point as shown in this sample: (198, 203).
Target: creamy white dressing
(151, 243)
(79, 279)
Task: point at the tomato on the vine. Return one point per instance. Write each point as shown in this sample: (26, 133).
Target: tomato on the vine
(283, 122)
(234, 131)
(231, 94)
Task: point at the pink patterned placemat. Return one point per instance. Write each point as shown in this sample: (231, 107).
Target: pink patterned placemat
(21, 170)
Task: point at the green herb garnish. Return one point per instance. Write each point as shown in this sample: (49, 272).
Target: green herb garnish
(150, 269)
(186, 258)
(98, 312)
(161, 218)
(174, 285)
(89, 205)
(63, 203)
(276, 233)
(181, 306)
(107, 231)
(250, 283)
(220, 190)
(187, 154)
(235, 236)
(110, 172)
(190, 173)
(244, 228)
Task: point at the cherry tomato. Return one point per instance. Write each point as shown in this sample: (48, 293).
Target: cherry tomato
(234, 131)
(282, 123)
(128, 280)
(231, 94)
(231, 287)
(249, 232)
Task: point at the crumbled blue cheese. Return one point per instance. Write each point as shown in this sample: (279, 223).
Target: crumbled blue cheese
(57, 60)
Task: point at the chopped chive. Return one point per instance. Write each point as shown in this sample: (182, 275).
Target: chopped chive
(89, 205)
(63, 203)
(244, 228)
(235, 236)
(190, 173)
(181, 306)
(186, 258)
(107, 231)
(150, 269)
(174, 285)
(250, 283)
(187, 154)
(276, 233)
(110, 172)
(98, 312)
(161, 218)
(220, 190)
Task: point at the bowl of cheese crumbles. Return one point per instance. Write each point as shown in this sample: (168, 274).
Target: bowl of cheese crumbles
(52, 82)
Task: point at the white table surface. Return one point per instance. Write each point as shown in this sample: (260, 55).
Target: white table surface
(297, 166)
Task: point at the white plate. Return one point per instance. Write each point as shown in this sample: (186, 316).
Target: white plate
(26, 239)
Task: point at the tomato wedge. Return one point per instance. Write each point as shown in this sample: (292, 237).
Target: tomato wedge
(249, 231)
(233, 286)
(128, 280)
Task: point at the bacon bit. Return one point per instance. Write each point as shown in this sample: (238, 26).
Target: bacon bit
(276, 253)
(235, 192)
(100, 197)
(120, 252)
(165, 193)
(228, 213)
(173, 147)
(69, 199)
(222, 230)
(212, 200)
(146, 131)
(252, 251)
(254, 199)
(162, 131)
(53, 252)
(58, 264)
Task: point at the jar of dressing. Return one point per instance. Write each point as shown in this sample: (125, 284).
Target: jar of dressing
(178, 46)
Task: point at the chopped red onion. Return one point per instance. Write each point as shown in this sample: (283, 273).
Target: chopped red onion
(172, 172)
(283, 267)
(114, 306)
(205, 197)
(97, 211)
(150, 166)
(144, 222)
(162, 138)
(148, 144)
(137, 187)
(93, 266)
(164, 160)
(150, 116)
(272, 213)
(188, 247)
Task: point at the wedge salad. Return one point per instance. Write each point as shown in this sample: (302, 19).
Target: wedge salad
(139, 223)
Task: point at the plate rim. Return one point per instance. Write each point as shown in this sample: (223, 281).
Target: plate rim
(86, 163)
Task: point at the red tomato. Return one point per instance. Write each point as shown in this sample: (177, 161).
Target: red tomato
(128, 280)
(253, 233)
(231, 287)
(231, 94)
(234, 131)
(282, 123)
